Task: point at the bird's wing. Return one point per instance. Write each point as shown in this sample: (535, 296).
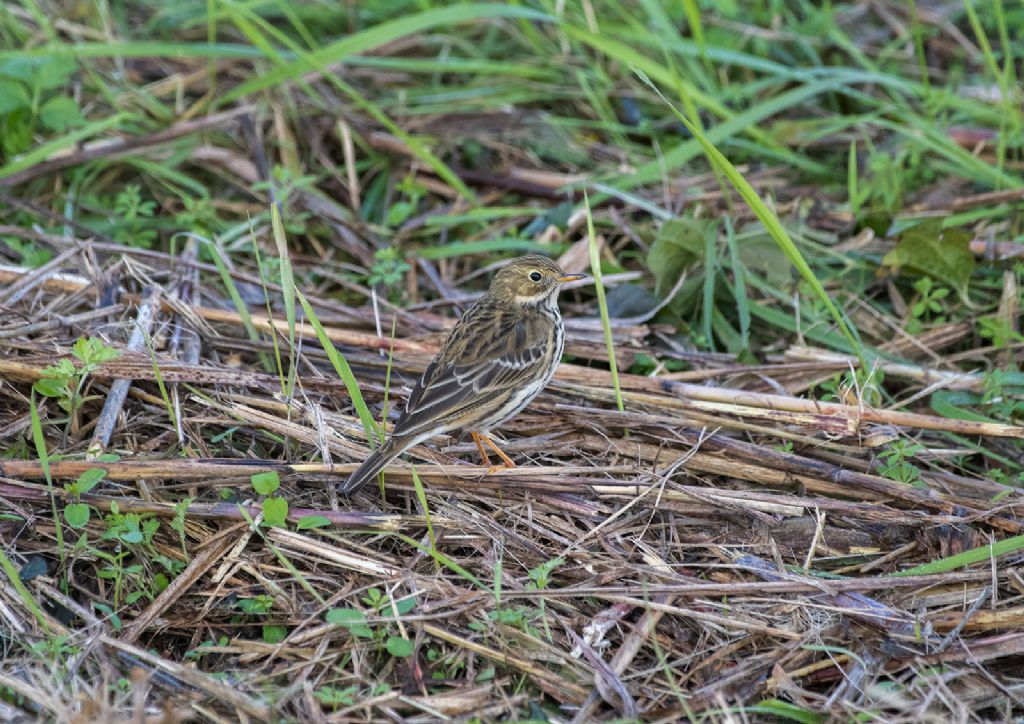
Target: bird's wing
(489, 354)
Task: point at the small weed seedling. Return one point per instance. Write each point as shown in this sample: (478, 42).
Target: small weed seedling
(896, 463)
(275, 508)
(261, 605)
(134, 215)
(125, 548)
(387, 271)
(32, 101)
(998, 331)
(335, 698)
(1003, 395)
(77, 513)
(65, 382)
(380, 634)
(929, 305)
(522, 616)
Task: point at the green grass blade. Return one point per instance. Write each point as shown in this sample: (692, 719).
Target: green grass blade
(158, 376)
(275, 363)
(445, 561)
(217, 253)
(377, 36)
(418, 148)
(739, 284)
(595, 268)
(708, 288)
(967, 558)
(138, 49)
(45, 150)
(288, 292)
(373, 433)
(852, 192)
(44, 461)
(421, 496)
(770, 221)
(696, 26)
(282, 558)
(23, 593)
(691, 148)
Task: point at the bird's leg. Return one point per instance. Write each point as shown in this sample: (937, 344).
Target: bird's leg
(508, 462)
(480, 446)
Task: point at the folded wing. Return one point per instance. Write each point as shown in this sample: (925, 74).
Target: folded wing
(491, 355)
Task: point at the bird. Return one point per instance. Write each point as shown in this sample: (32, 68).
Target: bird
(499, 356)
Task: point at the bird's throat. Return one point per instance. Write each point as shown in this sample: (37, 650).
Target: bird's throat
(545, 300)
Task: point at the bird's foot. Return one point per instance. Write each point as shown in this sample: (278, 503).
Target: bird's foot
(481, 440)
(505, 459)
(478, 439)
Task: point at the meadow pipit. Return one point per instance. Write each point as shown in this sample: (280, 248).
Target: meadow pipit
(496, 359)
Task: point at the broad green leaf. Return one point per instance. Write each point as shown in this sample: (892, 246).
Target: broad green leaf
(337, 697)
(76, 514)
(50, 388)
(345, 616)
(275, 512)
(53, 71)
(16, 131)
(266, 483)
(274, 633)
(60, 113)
(398, 646)
(629, 300)
(761, 254)
(939, 253)
(82, 348)
(107, 611)
(13, 96)
(351, 618)
(307, 522)
(18, 68)
(89, 479)
(678, 245)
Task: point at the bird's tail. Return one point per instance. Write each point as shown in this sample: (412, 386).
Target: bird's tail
(373, 465)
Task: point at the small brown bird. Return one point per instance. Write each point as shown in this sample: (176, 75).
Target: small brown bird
(496, 359)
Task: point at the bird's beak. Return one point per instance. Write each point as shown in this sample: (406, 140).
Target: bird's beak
(571, 278)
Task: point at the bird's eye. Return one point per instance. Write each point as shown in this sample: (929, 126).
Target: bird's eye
(535, 276)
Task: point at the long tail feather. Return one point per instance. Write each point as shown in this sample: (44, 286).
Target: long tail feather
(369, 469)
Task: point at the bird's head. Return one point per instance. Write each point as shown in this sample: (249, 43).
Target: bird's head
(529, 280)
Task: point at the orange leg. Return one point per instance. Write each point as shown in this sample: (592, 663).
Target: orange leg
(508, 463)
(480, 446)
